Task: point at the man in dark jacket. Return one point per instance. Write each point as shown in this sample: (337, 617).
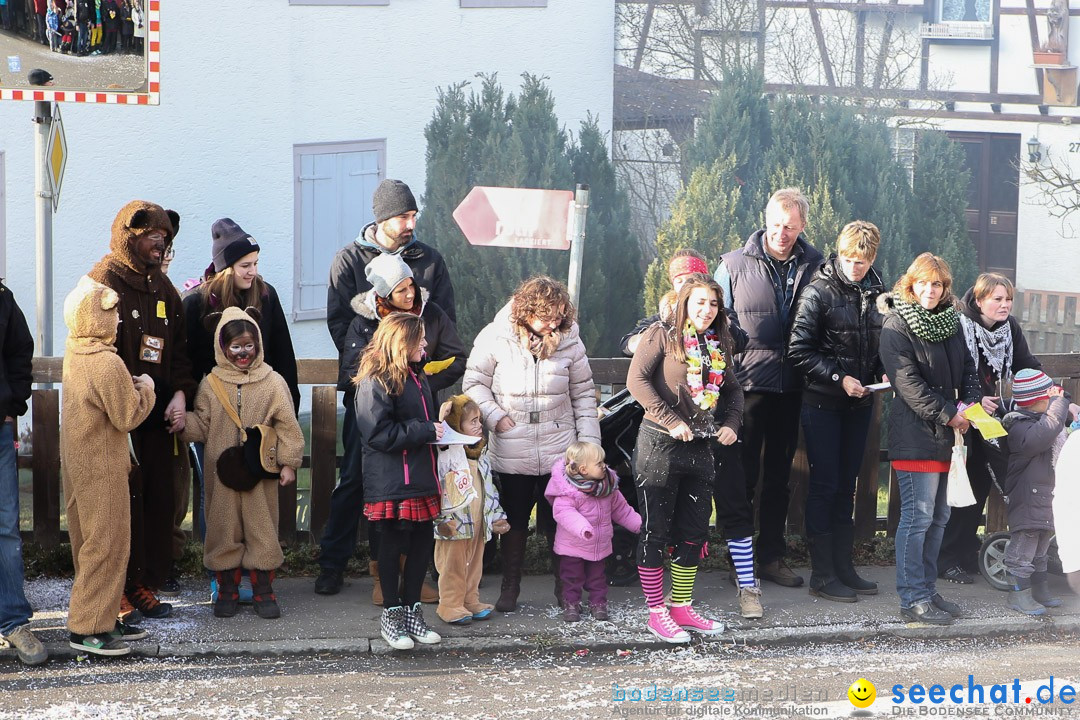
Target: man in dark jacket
(392, 233)
(16, 354)
(762, 282)
(150, 339)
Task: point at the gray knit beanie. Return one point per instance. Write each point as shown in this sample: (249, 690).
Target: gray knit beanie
(386, 272)
(230, 243)
(392, 198)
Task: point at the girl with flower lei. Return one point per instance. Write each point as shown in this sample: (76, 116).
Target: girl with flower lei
(693, 407)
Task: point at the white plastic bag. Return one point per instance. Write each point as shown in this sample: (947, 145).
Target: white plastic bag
(958, 492)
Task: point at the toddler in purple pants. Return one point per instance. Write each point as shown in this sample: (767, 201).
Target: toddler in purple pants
(585, 501)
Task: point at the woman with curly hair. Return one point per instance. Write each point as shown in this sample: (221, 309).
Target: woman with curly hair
(530, 376)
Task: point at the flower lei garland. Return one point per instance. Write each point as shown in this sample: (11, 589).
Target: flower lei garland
(704, 395)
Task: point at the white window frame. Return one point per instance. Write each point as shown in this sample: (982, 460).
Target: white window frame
(503, 3)
(339, 2)
(299, 151)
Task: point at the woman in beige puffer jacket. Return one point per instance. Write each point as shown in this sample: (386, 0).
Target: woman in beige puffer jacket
(530, 376)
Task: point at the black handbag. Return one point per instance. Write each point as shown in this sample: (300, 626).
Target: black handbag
(243, 466)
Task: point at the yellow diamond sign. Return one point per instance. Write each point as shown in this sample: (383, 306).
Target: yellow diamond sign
(56, 154)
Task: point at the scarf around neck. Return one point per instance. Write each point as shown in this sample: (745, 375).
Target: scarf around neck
(996, 346)
(596, 488)
(929, 325)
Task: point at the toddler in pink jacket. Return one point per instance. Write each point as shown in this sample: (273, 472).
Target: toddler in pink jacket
(585, 502)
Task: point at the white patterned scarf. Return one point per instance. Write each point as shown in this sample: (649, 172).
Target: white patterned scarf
(996, 346)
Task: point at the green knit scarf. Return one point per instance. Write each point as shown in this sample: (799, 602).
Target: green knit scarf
(929, 325)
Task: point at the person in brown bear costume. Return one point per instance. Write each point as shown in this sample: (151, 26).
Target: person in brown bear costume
(102, 404)
(242, 525)
(151, 340)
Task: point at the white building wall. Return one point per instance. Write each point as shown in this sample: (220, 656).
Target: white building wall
(243, 83)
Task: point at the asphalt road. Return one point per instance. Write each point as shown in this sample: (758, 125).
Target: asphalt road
(93, 72)
(804, 681)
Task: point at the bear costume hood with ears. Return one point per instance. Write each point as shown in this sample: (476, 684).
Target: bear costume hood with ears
(91, 317)
(134, 219)
(258, 369)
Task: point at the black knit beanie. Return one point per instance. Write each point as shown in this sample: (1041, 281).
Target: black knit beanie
(230, 243)
(392, 198)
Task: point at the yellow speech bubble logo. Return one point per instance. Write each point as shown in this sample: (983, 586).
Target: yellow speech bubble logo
(862, 693)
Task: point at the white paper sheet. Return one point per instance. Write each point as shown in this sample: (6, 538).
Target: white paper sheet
(453, 437)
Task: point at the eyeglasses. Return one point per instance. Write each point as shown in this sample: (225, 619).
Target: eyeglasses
(169, 254)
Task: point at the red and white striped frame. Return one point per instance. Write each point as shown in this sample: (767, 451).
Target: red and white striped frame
(153, 75)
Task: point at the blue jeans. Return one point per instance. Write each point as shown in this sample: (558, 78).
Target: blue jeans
(835, 444)
(14, 609)
(923, 515)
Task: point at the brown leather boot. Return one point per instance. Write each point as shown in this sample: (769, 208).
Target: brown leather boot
(513, 557)
(376, 592)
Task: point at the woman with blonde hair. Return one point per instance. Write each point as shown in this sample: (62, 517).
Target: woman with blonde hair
(923, 351)
(834, 341)
(397, 421)
(530, 376)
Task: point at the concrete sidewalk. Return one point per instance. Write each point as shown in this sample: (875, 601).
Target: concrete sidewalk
(348, 622)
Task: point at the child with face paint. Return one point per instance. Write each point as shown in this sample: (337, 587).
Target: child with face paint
(242, 526)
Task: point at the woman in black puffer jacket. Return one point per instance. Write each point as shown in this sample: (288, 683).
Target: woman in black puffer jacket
(933, 375)
(834, 340)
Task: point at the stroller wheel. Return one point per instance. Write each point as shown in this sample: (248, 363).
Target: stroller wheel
(992, 560)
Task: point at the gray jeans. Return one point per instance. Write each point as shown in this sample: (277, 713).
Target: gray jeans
(1026, 552)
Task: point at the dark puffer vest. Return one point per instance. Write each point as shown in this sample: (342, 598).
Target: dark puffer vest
(929, 378)
(764, 366)
(835, 333)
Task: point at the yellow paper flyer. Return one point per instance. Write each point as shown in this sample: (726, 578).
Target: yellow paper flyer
(984, 423)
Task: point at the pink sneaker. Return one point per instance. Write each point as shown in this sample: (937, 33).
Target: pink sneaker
(685, 617)
(662, 626)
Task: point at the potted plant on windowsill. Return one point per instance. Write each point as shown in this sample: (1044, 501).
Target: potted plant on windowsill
(1044, 57)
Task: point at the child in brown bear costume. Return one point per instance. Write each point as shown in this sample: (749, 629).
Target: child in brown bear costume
(242, 526)
(102, 404)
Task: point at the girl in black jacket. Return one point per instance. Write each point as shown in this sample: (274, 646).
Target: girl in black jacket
(933, 376)
(834, 340)
(397, 422)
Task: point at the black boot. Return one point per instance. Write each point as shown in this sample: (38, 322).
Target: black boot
(262, 594)
(1040, 590)
(228, 596)
(823, 581)
(513, 557)
(842, 548)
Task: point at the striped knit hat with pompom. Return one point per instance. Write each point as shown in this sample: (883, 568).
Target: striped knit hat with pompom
(1030, 386)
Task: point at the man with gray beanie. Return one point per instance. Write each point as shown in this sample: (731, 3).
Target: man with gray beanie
(391, 233)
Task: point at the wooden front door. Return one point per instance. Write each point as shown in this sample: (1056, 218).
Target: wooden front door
(993, 198)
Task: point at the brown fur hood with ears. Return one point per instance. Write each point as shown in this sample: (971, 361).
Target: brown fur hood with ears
(135, 218)
(91, 317)
(225, 369)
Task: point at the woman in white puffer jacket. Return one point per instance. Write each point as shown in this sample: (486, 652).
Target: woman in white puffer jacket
(530, 376)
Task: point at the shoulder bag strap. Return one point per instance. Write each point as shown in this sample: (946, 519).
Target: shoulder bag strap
(219, 390)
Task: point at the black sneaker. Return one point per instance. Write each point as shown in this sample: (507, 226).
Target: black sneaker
(123, 631)
(926, 613)
(100, 644)
(147, 603)
(169, 588)
(329, 582)
(957, 574)
(942, 604)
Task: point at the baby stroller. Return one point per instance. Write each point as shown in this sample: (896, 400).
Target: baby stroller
(620, 418)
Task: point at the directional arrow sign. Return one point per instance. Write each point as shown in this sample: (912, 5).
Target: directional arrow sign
(516, 217)
(56, 154)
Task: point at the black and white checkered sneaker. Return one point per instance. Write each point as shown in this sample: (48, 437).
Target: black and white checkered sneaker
(418, 629)
(393, 630)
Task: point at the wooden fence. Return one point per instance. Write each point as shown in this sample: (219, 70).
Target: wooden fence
(1049, 320)
(322, 459)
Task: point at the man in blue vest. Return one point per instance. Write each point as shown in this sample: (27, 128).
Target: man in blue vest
(761, 282)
